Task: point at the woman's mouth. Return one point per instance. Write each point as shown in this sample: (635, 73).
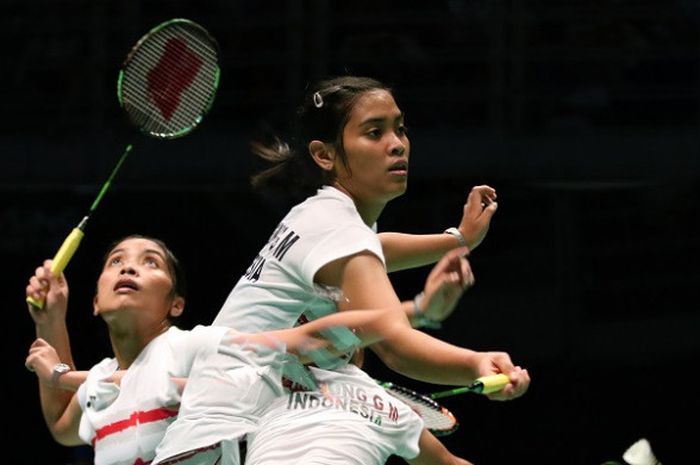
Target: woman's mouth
(126, 285)
(399, 168)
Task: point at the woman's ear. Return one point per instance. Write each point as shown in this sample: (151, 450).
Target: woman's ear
(95, 307)
(177, 307)
(323, 154)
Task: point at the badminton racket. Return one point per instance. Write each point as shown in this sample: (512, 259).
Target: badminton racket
(437, 418)
(166, 85)
(72, 241)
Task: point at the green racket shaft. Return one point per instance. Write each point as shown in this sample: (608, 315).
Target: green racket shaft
(483, 385)
(71, 243)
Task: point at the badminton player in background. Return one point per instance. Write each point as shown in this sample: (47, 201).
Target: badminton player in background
(140, 291)
(352, 159)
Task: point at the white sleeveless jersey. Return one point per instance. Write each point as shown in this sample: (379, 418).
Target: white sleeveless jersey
(230, 385)
(124, 423)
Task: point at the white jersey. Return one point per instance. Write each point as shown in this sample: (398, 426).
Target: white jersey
(278, 286)
(124, 423)
(273, 293)
(353, 422)
(230, 384)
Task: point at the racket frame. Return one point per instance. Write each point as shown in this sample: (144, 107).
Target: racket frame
(425, 401)
(135, 49)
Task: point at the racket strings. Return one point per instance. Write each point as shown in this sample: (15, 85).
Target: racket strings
(165, 94)
(438, 421)
(436, 418)
(189, 103)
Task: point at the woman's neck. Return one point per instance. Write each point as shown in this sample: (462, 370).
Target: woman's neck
(128, 341)
(369, 211)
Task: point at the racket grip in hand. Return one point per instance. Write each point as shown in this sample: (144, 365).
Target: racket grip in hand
(61, 259)
(492, 383)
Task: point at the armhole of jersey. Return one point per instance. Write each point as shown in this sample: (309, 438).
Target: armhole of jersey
(348, 249)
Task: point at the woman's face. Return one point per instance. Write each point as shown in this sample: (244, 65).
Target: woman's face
(376, 148)
(136, 277)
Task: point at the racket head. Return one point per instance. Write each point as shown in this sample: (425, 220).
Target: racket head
(436, 418)
(169, 79)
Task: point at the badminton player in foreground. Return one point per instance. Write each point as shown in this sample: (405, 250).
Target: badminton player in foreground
(350, 161)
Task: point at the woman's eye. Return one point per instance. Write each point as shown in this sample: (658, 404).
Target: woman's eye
(115, 261)
(151, 262)
(403, 130)
(374, 133)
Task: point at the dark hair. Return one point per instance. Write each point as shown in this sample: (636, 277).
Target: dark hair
(177, 272)
(323, 114)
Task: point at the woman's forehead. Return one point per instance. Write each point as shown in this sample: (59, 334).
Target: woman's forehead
(374, 104)
(137, 244)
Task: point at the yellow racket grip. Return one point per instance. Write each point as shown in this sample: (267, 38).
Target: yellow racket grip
(493, 383)
(61, 259)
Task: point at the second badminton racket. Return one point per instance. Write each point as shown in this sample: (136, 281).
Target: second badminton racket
(437, 418)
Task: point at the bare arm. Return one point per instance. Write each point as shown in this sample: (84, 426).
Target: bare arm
(411, 352)
(433, 452)
(72, 380)
(50, 325)
(65, 428)
(403, 251)
(62, 419)
(50, 320)
(368, 326)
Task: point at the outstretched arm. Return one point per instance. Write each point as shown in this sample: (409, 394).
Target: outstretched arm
(413, 353)
(403, 251)
(363, 327)
(445, 284)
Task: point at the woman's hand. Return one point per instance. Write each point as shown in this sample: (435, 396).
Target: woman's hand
(53, 290)
(41, 360)
(446, 283)
(491, 363)
(476, 216)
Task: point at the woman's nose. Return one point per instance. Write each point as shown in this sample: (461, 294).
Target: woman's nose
(398, 145)
(398, 150)
(127, 269)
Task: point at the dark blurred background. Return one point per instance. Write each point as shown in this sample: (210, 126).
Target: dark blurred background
(585, 116)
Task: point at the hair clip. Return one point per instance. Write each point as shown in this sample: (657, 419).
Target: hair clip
(318, 100)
